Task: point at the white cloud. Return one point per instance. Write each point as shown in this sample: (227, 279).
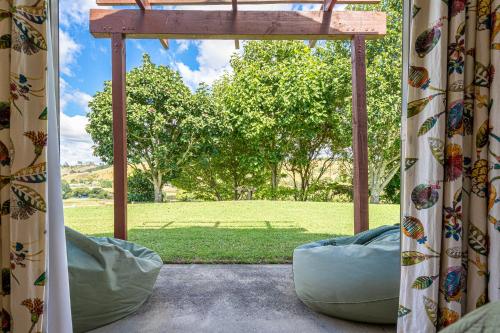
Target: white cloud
(69, 50)
(138, 45)
(76, 144)
(213, 59)
(183, 45)
(75, 12)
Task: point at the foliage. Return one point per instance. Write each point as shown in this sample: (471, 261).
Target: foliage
(65, 189)
(331, 192)
(289, 109)
(225, 160)
(392, 193)
(140, 187)
(383, 61)
(278, 111)
(105, 183)
(85, 192)
(162, 123)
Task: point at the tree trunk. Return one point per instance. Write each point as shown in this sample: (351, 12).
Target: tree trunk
(274, 177)
(158, 187)
(375, 196)
(235, 188)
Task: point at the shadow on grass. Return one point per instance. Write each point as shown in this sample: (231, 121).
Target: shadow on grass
(214, 244)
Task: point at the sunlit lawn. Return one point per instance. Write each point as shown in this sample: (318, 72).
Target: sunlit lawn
(228, 232)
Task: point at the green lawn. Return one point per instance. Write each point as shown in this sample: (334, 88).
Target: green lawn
(228, 232)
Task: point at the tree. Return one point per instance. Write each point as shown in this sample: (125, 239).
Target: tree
(384, 68)
(162, 123)
(225, 161)
(281, 103)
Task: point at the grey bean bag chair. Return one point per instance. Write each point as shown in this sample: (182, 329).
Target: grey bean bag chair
(486, 319)
(109, 278)
(354, 278)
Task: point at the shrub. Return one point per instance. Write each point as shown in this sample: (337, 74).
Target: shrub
(392, 192)
(330, 192)
(140, 188)
(104, 183)
(281, 193)
(85, 192)
(65, 189)
(185, 196)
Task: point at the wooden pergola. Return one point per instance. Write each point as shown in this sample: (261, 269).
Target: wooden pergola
(326, 24)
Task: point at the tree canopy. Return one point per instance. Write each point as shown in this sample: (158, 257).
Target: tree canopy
(162, 122)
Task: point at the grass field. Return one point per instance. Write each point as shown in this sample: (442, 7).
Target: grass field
(228, 232)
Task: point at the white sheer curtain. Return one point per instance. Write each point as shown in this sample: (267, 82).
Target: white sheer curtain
(58, 306)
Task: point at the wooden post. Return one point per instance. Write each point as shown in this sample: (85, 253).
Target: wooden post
(119, 134)
(359, 134)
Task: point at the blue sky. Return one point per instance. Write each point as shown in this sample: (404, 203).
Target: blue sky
(86, 64)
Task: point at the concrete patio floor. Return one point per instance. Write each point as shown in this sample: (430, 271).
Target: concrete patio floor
(230, 299)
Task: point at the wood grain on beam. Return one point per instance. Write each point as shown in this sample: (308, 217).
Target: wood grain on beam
(193, 24)
(359, 135)
(119, 135)
(229, 2)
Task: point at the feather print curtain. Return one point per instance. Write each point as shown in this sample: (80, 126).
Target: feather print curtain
(23, 137)
(451, 198)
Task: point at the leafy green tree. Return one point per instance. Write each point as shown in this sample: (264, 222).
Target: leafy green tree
(162, 123)
(281, 103)
(140, 188)
(225, 161)
(383, 59)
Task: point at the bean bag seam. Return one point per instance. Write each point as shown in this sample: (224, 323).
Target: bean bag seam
(361, 302)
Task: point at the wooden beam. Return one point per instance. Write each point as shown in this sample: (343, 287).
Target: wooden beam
(229, 2)
(235, 11)
(119, 135)
(164, 43)
(193, 24)
(143, 4)
(327, 7)
(359, 134)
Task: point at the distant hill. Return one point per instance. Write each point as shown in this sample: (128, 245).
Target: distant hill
(86, 173)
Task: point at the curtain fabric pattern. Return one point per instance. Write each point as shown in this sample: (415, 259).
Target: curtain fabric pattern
(23, 137)
(451, 196)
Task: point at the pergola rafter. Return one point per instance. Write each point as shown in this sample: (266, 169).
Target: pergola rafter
(327, 7)
(143, 5)
(237, 25)
(235, 11)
